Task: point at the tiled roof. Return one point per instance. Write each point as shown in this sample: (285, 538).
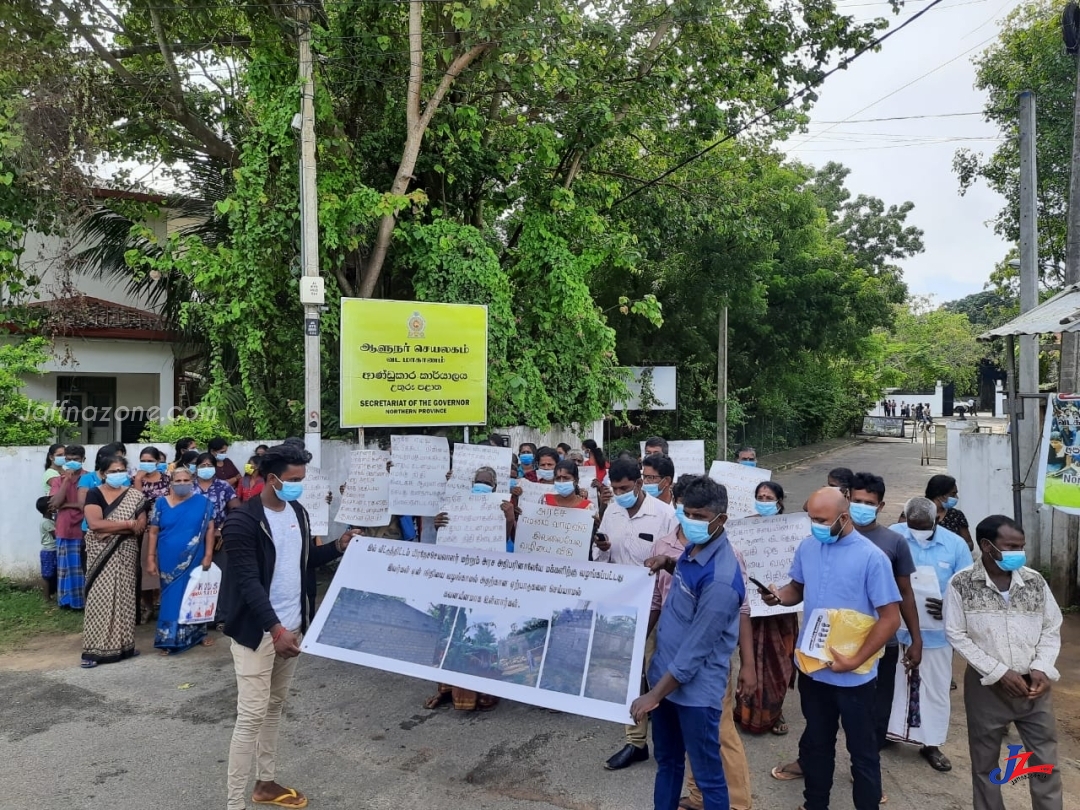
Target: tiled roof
(82, 313)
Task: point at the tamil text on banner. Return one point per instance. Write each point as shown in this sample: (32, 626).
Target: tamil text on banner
(566, 636)
(688, 456)
(316, 488)
(467, 459)
(887, 426)
(1059, 462)
(412, 363)
(532, 492)
(554, 530)
(741, 481)
(768, 546)
(366, 501)
(476, 522)
(418, 474)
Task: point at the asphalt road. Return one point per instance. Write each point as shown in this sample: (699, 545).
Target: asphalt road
(154, 732)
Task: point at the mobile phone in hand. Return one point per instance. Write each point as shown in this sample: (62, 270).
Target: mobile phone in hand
(760, 586)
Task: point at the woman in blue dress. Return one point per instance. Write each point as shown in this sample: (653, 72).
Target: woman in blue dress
(180, 525)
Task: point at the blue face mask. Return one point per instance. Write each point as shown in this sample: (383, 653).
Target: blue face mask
(482, 489)
(147, 466)
(652, 489)
(696, 532)
(191, 468)
(1011, 560)
(526, 459)
(58, 461)
(951, 502)
(118, 479)
(545, 475)
(766, 508)
(73, 465)
(678, 509)
(564, 489)
(291, 490)
(862, 514)
(627, 500)
(183, 490)
(206, 473)
(823, 534)
(221, 456)
(748, 462)
(162, 467)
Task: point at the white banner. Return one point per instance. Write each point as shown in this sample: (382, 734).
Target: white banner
(316, 488)
(741, 482)
(418, 474)
(586, 475)
(687, 456)
(532, 492)
(554, 530)
(366, 501)
(768, 546)
(468, 458)
(476, 522)
(564, 636)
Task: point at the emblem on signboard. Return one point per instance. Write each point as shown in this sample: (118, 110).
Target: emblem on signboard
(417, 324)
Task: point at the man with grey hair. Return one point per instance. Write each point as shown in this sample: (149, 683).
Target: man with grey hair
(747, 456)
(938, 554)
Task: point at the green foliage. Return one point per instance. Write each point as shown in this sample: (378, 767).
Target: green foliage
(926, 345)
(24, 421)
(26, 615)
(201, 430)
(1028, 55)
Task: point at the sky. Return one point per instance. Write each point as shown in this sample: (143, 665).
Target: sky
(924, 70)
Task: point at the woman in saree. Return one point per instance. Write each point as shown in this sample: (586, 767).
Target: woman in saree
(774, 647)
(115, 516)
(180, 525)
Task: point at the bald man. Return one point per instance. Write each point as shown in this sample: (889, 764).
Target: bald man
(837, 567)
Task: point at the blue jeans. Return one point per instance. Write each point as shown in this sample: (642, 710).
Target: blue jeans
(825, 706)
(681, 731)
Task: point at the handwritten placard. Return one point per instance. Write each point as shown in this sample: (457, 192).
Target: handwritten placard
(477, 522)
(532, 492)
(586, 475)
(741, 482)
(418, 474)
(554, 530)
(316, 488)
(687, 456)
(468, 458)
(366, 501)
(768, 545)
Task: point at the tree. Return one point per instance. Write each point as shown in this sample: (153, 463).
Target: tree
(1028, 55)
(24, 421)
(930, 344)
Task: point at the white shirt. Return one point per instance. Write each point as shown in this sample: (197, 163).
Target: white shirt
(654, 517)
(286, 585)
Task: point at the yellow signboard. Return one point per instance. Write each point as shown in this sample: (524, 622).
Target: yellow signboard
(412, 363)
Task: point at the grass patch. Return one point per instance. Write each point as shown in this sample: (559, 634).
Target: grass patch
(26, 614)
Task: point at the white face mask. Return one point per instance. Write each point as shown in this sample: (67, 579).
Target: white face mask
(922, 536)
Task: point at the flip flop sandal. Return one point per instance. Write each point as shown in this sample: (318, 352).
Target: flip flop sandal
(780, 727)
(282, 800)
(781, 774)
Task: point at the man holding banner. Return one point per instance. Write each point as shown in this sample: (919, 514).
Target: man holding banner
(696, 637)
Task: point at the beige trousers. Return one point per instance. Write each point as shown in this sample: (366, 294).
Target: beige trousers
(732, 754)
(262, 684)
(637, 735)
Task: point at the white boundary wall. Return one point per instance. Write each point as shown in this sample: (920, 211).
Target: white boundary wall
(935, 399)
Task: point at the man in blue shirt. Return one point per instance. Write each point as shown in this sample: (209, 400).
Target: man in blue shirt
(839, 568)
(938, 554)
(695, 639)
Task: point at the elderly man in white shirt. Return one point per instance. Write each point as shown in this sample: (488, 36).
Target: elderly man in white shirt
(632, 523)
(1002, 618)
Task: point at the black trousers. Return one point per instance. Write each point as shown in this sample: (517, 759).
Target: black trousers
(886, 683)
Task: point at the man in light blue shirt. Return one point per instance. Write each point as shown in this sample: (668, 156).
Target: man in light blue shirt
(938, 554)
(838, 568)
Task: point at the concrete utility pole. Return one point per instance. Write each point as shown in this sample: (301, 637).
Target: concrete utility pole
(1028, 377)
(311, 284)
(721, 387)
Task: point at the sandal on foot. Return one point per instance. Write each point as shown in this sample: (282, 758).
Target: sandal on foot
(783, 774)
(290, 798)
(780, 727)
(88, 664)
(208, 642)
(435, 701)
(938, 761)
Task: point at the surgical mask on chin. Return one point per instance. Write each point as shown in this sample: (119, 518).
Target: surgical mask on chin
(862, 514)
(564, 489)
(627, 500)
(1011, 560)
(696, 532)
(823, 534)
(479, 488)
(545, 475)
(652, 489)
(922, 536)
(206, 473)
(766, 508)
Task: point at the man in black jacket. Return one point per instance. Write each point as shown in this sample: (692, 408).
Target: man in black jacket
(270, 548)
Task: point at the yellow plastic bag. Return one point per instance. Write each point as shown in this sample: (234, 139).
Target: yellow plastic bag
(839, 628)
